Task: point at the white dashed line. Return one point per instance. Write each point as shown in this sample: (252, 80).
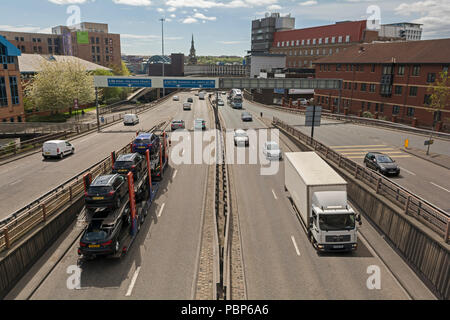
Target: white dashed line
(403, 169)
(434, 184)
(295, 245)
(274, 195)
(133, 282)
(15, 182)
(161, 210)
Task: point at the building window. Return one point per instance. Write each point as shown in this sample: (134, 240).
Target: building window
(345, 85)
(324, 51)
(14, 90)
(362, 105)
(308, 42)
(333, 39)
(382, 108)
(355, 86)
(3, 96)
(372, 87)
(297, 42)
(340, 39)
(385, 90)
(376, 107)
(49, 41)
(320, 40)
(331, 51)
(93, 49)
(413, 91)
(50, 50)
(373, 68)
(314, 41)
(22, 39)
(395, 110)
(338, 67)
(445, 69)
(387, 69)
(416, 70)
(98, 58)
(329, 67)
(292, 43)
(34, 39)
(369, 104)
(398, 90)
(431, 77)
(347, 38)
(93, 58)
(98, 49)
(410, 112)
(363, 87)
(427, 99)
(303, 42)
(306, 52)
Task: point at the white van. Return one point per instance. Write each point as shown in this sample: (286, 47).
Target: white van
(57, 148)
(130, 119)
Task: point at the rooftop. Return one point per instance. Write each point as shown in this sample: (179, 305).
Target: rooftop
(32, 63)
(424, 51)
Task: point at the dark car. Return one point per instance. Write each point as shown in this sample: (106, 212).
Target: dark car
(106, 191)
(177, 124)
(190, 100)
(133, 162)
(103, 238)
(381, 163)
(246, 116)
(144, 142)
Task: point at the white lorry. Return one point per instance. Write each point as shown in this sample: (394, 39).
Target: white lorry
(319, 195)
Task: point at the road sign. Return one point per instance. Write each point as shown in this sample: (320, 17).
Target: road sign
(428, 142)
(75, 103)
(189, 83)
(312, 115)
(130, 82)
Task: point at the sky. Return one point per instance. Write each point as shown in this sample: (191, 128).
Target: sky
(220, 27)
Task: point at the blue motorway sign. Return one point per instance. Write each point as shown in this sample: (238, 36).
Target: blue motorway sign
(180, 83)
(127, 82)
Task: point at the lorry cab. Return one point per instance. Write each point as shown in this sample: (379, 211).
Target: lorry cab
(333, 223)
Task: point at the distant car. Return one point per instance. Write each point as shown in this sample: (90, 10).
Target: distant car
(177, 124)
(199, 124)
(246, 116)
(240, 137)
(272, 151)
(196, 94)
(381, 163)
(220, 102)
(176, 98)
(190, 100)
(187, 106)
(106, 191)
(130, 119)
(146, 141)
(131, 162)
(57, 149)
(223, 93)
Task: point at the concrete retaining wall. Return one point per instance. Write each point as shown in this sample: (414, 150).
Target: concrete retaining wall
(15, 262)
(424, 251)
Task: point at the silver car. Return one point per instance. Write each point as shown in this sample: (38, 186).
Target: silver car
(272, 150)
(240, 137)
(246, 116)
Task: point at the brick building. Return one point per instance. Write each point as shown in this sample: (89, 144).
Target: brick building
(88, 41)
(11, 99)
(389, 80)
(303, 46)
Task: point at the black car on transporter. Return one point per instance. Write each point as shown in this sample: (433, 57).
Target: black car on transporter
(106, 191)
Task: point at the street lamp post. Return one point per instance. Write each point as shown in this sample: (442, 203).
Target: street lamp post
(162, 42)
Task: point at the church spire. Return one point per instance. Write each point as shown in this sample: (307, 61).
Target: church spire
(192, 56)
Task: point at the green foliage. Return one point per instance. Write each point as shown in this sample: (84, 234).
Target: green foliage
(440, 92)
(106, 95)
(58, 117)
(214, 60)
(367, 114)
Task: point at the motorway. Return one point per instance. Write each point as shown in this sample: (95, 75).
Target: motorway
(279, 261)
(163, 261)
(428, 180)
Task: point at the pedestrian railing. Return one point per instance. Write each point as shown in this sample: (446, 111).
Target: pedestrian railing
(430, 215)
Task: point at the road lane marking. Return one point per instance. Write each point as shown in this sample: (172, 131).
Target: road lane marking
(361, 146)
(161, 210)
(363, 152)
(403, 169)
(274, 195)
(362, 157)
(174, 174)
(434, 184)
(133, 282)
(295, 245)
(366, 149)
(15, 182)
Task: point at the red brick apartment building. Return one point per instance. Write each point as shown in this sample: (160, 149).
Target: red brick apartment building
(11, 99)
(389, 79)
(88, 41)
(303, 46)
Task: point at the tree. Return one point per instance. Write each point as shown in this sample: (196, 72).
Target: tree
(57, 85)
(439, 98)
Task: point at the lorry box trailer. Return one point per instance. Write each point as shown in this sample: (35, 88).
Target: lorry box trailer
(319, 195)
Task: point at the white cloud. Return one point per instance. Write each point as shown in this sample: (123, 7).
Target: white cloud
(308, 3)
(171, 9)
(173, 16)
(206, 4)
(64, 2)
(433, 14)
(201, 16)
(31, 29)
(133, 2)
(274, 7)
(189, 20)
(160, 10)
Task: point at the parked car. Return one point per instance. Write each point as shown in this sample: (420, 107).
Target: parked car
(146, 141)
(199, 124)
(176, 98)
(272, 151)
(246, 116)
(177, 124)
(190, 100)
(57, 149)
(106, 191)
(130, 119)
(381, 163)
(220, 102)
(240, 137)
(131, 162)
(187, 106)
